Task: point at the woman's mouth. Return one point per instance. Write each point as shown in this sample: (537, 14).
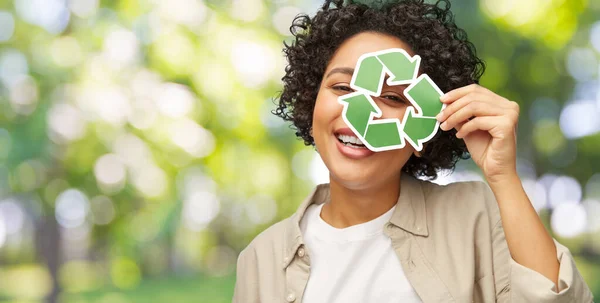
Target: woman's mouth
(350, 145)
(351, 141)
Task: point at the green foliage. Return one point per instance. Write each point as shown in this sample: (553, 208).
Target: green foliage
(150, 110)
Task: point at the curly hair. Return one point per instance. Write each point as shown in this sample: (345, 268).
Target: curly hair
(446, 56)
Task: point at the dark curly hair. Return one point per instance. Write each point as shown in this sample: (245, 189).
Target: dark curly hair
(446, 56)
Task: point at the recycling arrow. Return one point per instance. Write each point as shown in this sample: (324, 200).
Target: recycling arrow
(418, 130)
(381, 135)
(398, 64)
(359, 110)
(418, 124)
(401, 66)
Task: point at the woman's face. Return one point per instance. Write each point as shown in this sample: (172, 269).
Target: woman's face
(352, 167)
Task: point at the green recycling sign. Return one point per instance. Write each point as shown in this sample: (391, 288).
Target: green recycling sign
(418, 124)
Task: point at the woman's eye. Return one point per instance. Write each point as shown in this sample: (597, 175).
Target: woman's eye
(343, 88)
(394, 98)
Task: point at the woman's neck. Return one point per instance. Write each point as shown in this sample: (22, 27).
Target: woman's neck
(349, 207)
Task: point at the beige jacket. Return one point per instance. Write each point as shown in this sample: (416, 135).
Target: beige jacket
(449, 240)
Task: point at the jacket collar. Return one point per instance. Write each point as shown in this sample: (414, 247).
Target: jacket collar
(410, 213)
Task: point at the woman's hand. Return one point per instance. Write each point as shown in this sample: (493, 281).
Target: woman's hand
(487, 122)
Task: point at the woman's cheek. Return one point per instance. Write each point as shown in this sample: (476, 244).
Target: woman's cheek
(322, 115)
(329, 106)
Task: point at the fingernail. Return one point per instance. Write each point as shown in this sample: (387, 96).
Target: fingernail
(444, 97)
(439, 116)
(443, 126)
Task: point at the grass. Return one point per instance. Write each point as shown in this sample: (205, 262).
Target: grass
(199, 289)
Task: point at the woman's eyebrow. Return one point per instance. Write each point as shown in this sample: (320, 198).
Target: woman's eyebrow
(350, 71)
(343, 70)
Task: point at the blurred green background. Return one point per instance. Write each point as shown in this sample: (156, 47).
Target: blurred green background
(138, 154)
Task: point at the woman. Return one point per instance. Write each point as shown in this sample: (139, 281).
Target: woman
(376, 233)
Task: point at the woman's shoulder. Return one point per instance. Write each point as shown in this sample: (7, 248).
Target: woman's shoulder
(281, 238)
(467, 200)
(270, 242)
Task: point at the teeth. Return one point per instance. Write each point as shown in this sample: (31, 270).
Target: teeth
(349, 139)
(353, 146)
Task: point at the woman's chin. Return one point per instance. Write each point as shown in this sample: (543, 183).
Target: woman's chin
(353, 179)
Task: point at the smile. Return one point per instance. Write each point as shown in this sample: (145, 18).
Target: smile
(349, 145)
(351, 141)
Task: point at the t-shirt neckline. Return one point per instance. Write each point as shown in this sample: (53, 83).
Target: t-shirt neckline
(358, 232)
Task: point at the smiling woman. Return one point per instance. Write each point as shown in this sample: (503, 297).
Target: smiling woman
(377, 233)
(447, 56)
(328, 127)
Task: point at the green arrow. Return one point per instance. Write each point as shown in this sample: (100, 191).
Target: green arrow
(369, 75)
(403, 68)
(418, 129)
(383, 135)
(425, 95)
(357, 111)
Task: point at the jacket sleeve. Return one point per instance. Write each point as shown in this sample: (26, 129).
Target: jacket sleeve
(521, 284)
(246, 283)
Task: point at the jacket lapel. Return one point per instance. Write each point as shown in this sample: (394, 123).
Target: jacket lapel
(408, 222)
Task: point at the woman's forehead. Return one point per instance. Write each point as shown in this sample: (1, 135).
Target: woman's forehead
(349, 52)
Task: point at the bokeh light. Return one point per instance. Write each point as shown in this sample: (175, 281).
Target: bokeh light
(283, 17)
(188, 12)
(122, 47)
(592, 209)
(72, 207)
(13, 215)
(579, 119)
(564, 189)
(592, 187)
(7, 26)
(13, 66)
(318, 171)
(66, 51)
(247, 10)
(150, 180)
(192, 138)
(51, 15)
(175, 100)
(582, 63)
(125, 273)
(23, 95)
(569, 220)
(2, 230)
(102, 210)
(66, 123)
(261, 210)
(83, 8)
(595, 35)
(254, 62)
(199, 209)
(110, 173)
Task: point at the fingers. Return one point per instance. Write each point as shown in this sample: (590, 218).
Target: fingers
(472, 109)
(472, 101)
(459, 126)
(487, 97)
(458, 93)
(495, 125)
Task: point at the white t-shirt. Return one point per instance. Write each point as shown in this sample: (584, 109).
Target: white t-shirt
(352, 264)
